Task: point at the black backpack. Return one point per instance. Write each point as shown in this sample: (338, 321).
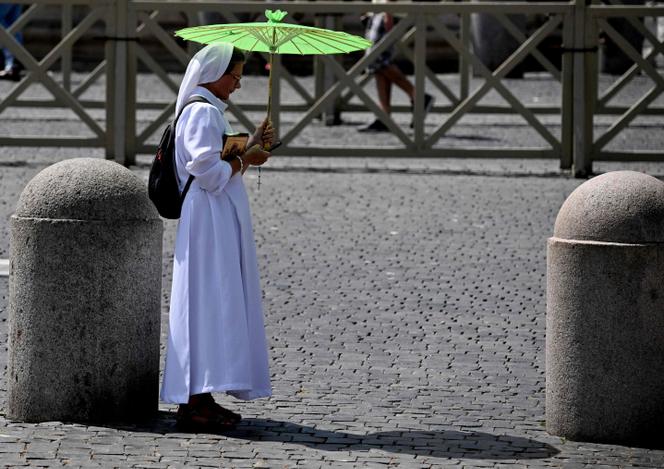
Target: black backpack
(163, 187)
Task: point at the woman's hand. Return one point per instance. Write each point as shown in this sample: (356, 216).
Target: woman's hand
(255, 156)
(265, 135)
(269, 135)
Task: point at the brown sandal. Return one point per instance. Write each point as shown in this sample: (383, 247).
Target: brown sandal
(209, 402)
(191, 419)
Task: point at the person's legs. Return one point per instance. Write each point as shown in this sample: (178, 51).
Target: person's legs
(9, 13)
(396, 76)
(384, 89)
(8, 59)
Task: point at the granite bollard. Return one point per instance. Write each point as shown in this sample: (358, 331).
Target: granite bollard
(605, 312)
(84, 296)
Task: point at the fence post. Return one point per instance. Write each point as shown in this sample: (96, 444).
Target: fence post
(118, 82)
(111, 61)
(585, 58)
(464, 64)
(567, 124)
(66, 27)
(130, 90)
(420, 65)
(324, 77)
(121, 86)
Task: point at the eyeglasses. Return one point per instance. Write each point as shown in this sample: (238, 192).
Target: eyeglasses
(237, 78)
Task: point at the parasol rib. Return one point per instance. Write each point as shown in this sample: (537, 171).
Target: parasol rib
(286, 38)
(323, 42)
(237, 39)
(311, 45)
(337, 41)
(298, 49)
(254, 44)
(214, 35)
(258, 34)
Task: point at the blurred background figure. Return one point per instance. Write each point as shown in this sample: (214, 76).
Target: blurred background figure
(386, 70)
(9, 13)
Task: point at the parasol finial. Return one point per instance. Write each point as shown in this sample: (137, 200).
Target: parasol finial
(275, 16)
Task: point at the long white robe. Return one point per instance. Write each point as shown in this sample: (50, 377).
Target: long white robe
(216, 339)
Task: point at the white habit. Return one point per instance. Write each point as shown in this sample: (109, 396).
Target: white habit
(216, 339)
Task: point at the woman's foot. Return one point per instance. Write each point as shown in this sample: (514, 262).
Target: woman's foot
(193, 419)
(202, 413)
(12, 74)
(373, 127)
(229, 414)
(207, 401)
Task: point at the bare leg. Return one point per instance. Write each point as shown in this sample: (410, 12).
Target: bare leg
(396, 76)
(384, 88)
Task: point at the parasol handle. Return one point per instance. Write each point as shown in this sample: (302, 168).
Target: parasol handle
(269, 89)
(269, 109)
(269, 80)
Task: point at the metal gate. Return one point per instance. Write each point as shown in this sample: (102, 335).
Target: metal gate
(561, 128)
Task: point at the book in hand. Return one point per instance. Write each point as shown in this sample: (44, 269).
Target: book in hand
(234, 145)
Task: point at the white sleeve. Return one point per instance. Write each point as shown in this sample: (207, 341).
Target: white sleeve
(202, 139)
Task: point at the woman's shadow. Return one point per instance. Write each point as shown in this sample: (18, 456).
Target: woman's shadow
(439, 443)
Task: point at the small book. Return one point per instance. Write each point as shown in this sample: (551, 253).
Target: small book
(234, 145)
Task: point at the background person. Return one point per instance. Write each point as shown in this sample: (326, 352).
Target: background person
(9, 13)
(386, 71)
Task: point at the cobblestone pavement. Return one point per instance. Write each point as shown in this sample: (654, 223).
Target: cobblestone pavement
(405, 311)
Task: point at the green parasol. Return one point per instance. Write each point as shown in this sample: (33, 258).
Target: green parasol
(276, 37)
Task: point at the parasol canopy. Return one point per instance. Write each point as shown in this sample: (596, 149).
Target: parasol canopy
(275, 37)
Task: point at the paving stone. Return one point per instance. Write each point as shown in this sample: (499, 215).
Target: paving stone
(14, 460)
(206, 462)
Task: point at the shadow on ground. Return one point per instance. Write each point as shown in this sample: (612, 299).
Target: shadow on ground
(439, 444)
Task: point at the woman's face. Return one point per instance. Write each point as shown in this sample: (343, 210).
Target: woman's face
(228, 83)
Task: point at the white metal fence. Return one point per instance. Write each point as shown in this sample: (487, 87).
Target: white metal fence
(563, 126)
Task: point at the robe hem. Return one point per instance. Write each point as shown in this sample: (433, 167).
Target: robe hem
(239, 391)
(250, 395)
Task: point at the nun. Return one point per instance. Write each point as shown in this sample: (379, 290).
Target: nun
(216, 340)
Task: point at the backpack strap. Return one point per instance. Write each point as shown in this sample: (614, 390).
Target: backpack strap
(195, 99)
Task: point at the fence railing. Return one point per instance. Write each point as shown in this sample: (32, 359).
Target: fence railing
(606, 101)
(558, 106)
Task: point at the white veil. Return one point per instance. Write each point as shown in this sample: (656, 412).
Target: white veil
(208, 65)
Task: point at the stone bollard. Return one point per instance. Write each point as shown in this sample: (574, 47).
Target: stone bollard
(605, 312)
(84, 296)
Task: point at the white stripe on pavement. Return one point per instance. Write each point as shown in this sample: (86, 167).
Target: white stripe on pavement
(4, 267)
